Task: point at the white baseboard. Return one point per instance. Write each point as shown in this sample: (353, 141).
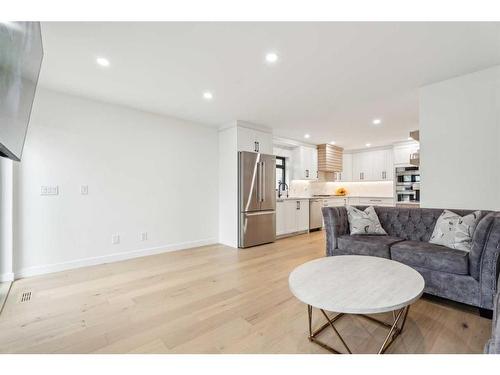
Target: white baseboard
(8, 276)
(85, 262)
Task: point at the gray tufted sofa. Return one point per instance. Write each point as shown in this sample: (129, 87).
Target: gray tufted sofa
(493, 344)
(467, 277)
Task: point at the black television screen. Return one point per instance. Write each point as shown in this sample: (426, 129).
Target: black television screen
(21, 54)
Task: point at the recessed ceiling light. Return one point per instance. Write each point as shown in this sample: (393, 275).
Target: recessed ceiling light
(102, 61)
(368, 144)
(207, 95)
(410, 138)
(377, 121)
(332, 142)
(271, 57)
(307, 136)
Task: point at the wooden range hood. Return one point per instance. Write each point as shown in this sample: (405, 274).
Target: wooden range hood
(329, 161)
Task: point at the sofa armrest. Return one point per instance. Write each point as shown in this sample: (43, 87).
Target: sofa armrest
(336, 224)
(490, 263)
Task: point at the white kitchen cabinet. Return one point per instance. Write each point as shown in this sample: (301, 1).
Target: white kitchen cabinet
(302, 212)
(346, 174)
(254, 140)
(361, 166)
(335, 202)
(402, 153)
(382, 168)
(305, 163)
(292, 215)
(375, 201)
(371, 201)
(353, 201)
(374, 165)
(280, 217)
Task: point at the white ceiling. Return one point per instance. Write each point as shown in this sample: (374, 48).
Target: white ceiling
(331, 81)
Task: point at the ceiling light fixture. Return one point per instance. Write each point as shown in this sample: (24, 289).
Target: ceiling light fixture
(207, 95)
(102, 61)
(307, 136)
(271, 57)
(410, 138)
(377, 121)
(332, 142)
(368, 144)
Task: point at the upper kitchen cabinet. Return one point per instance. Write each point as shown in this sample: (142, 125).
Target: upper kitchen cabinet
(402, 153)
(305, 163)
(253, 140)
(361, 166)
(373, 165)
(382, 165)
(346, 174)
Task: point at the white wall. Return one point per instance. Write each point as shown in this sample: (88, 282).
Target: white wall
(145, 173)
(6, 218)
(460, 142)
(228, 186)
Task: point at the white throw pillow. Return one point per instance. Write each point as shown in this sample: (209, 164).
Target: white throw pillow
(455, 231)
(364, 222)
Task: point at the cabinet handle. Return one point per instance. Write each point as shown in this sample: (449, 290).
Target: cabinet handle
(307, 173)
(298, 205)
(256, 146)
(361, 176)
(317, 174)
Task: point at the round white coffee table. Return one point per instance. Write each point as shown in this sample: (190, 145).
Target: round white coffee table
(352, 284)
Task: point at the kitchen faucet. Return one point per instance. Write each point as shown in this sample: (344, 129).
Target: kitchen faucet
(280, 184)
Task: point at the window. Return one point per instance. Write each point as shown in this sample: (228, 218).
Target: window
(280, 170)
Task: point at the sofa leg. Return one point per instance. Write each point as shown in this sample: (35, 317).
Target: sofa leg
(486, 313)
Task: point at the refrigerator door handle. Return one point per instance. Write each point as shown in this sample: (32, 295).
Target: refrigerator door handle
(258, 213)
(263, 181)
(259, 182)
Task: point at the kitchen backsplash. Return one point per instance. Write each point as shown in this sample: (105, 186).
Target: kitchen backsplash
(304, 188)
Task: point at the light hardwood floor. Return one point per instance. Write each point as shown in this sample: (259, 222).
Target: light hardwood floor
(212, 299)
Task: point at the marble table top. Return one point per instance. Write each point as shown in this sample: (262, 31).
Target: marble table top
(356, 284)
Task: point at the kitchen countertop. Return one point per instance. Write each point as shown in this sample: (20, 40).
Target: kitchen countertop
(334, 196)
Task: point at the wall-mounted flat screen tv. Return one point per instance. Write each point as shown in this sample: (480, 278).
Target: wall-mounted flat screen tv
(21, 54)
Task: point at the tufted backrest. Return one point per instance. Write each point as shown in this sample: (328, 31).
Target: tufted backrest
(415, 224)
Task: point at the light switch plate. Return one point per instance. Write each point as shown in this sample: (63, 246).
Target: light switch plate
(115, 239)
(84, 189)
(144, 236)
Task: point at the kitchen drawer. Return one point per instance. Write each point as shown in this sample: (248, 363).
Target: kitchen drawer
(353, 201)
(376, 202)
(334, 202)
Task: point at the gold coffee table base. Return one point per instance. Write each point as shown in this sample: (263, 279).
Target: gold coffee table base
(394, 329)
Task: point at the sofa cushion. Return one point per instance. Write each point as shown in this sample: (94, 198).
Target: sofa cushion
(374, 245)
(364, 222)
(431, 257)
(455, 231)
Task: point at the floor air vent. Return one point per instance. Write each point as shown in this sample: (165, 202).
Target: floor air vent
(26, 296)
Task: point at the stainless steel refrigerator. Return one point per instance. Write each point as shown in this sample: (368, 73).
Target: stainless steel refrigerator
(256, 198)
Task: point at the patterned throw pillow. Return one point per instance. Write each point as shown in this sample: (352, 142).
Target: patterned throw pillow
(455, 231)
(364, 222)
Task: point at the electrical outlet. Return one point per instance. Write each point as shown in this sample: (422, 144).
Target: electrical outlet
(144, 236)
(115, 239)
(49, 190)
(84, 189)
